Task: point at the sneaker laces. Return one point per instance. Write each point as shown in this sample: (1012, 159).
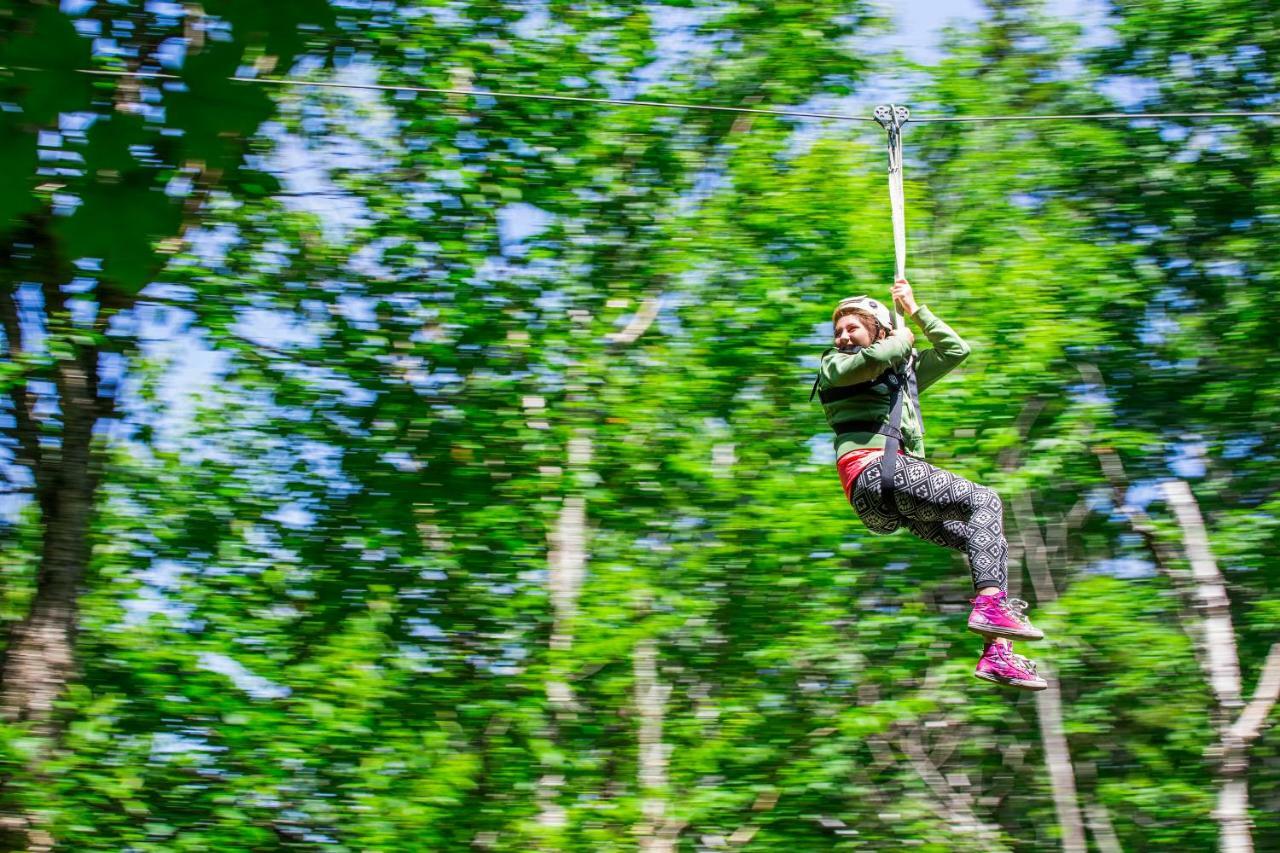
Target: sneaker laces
(1024, 663)
(1017, 608)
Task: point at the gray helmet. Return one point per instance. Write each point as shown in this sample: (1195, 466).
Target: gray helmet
(864, 305)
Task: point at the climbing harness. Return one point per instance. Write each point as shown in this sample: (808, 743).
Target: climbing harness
(897, 381)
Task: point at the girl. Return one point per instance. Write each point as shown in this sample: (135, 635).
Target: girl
(869, 386)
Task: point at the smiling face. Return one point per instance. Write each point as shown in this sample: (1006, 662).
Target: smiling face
(855, 329)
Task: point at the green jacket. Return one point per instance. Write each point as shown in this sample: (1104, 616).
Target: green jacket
(837, 369)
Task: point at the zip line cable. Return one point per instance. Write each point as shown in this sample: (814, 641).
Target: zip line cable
(624, 102)
(1084, 116)
(621, 102)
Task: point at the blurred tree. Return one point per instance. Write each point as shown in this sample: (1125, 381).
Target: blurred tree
(100, 176)
(1197, 200)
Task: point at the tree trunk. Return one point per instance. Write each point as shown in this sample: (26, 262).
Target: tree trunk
(566, 565)
(1238, 725)
(1104, 834)
(1211, 596)
(39, 659)
(1223, 670)
(1235, 828)
(1057, 757)
(658, 833)
(1057, 753)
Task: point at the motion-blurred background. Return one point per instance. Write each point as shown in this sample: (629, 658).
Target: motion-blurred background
(395, 471)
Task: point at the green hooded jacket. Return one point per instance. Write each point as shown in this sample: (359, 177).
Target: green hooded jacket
(838, 369)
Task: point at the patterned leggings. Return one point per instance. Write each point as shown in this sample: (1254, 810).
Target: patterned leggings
(942, 508)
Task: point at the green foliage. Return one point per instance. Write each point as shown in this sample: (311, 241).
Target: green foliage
(319, 612)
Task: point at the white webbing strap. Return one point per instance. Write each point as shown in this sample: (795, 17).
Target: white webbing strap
(891, 118)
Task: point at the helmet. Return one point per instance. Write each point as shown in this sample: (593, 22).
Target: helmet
(864, 305)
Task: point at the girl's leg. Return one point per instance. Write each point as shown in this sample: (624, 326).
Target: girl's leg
(948, 510)
(942, 508)
(867, 502)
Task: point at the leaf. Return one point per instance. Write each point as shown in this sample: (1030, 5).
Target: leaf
(120, 224)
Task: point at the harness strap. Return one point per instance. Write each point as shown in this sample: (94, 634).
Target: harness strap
(893, 439)
(914, 391)
(818, 378)
(881, 427)
(844, 392)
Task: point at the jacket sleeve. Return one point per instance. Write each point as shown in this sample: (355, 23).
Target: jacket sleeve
(948, 349)
(838, 368)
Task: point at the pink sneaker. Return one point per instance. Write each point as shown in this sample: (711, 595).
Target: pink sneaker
(1000, 616)
(1001, 665)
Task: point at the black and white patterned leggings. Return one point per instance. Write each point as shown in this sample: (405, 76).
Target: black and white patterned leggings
(939, 507)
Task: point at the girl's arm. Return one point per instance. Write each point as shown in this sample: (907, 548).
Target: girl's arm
(949, 349)
(838, 368)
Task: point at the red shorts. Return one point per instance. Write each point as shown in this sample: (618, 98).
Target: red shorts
(851, 464)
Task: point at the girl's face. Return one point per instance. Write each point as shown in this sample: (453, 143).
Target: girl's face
(855, 330)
